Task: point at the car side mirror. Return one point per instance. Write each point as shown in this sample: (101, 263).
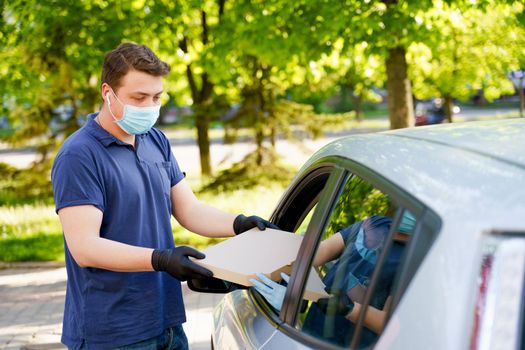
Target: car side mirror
(212, 285)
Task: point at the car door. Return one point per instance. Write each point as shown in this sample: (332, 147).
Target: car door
(332, 201)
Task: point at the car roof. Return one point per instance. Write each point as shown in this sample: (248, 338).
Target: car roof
(501, 139)
(474, 169)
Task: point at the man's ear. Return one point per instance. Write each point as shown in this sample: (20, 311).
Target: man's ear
(105, 96)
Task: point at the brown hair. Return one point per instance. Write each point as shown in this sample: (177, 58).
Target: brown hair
(129, 56)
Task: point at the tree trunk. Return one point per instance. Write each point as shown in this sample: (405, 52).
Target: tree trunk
(259, 138)
(400, 105)
(201, 97)
(260, 115)
(358, 106)
(273, 137)
(203, 140)
(448, 106)
(522, 100)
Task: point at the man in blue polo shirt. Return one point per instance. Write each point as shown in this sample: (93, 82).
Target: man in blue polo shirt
(116, 184)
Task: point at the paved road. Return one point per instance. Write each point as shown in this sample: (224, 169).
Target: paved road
(32, 302)
(187, 152)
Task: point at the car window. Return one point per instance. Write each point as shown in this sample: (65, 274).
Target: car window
(306, 221)
(294, 211)
(350, 252)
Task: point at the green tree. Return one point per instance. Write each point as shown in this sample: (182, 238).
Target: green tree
(52, 60)
(259, 62)
(467, 57)
(351, 69)
(188, 31)
(387, 27)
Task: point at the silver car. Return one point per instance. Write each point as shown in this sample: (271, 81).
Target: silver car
(454, 279)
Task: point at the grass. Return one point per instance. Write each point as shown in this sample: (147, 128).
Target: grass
(492, 105)
(377, 112)
(33, 232)
(40, 246)
(498, 116)
(30, 233)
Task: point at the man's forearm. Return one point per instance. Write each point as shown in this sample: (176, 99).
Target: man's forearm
(197, 216)
(208, 221)
(111, 255)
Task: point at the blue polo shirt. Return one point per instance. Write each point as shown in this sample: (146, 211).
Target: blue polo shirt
(131, 186)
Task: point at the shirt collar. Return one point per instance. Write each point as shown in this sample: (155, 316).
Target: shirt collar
(101, 134)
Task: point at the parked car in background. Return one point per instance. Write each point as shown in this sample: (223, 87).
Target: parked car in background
(456, 282)
(432, 112)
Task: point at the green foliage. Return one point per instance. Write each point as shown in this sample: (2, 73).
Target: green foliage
(51, 53)
(35, 247)
(248, 174)
(466, 57)
(51, 59)
(22, 186)
(358, 201)
(33, 232)
(293, 118)
(30, 232)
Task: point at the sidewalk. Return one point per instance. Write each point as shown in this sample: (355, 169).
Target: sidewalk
(32, 301)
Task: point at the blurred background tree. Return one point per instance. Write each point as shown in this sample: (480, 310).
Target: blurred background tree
(267, 66)
(465, 56)
(51, 63)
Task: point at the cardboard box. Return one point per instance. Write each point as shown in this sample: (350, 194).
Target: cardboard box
(271, 252)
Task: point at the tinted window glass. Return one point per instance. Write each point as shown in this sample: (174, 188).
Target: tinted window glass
(357, 233)
(304, 222)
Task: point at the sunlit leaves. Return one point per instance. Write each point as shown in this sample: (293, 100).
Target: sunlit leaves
(474, 50)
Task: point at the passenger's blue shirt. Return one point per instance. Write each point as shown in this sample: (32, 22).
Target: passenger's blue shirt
(336, 328)
(131, 186)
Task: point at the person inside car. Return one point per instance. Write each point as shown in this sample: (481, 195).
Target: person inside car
(355, 250)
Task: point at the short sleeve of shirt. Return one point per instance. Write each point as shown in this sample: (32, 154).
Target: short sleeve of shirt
(75, 182)
(176, 174)
(350, 232)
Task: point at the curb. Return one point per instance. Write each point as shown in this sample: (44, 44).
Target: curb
(31, 265)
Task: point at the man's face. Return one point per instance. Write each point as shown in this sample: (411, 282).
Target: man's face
(136, 88)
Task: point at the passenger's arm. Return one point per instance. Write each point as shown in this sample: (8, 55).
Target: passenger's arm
(81, 226)
(374, 318)
(329, 249)
(357, 293)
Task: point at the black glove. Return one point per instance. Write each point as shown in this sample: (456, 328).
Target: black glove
(339, 304)
(243, 223)
(175, 262)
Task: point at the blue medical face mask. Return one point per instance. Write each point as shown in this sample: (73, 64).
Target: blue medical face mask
(368, 254)
(408, 221)
(135, 120)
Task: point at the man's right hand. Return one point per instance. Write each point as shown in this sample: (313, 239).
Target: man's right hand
(175, 262)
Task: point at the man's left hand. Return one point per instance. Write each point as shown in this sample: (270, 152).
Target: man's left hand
(243, 223)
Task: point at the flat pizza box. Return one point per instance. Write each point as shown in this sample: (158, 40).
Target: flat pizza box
(271, 252)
